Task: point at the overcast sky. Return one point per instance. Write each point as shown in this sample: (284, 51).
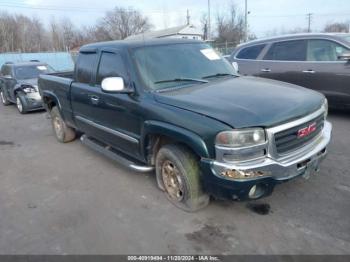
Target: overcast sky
(265, 16)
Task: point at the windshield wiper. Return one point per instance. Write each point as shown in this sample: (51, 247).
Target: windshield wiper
(181, 80)
(218, 75)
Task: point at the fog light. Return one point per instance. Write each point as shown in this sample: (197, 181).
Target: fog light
(239, 174)
(257, 191)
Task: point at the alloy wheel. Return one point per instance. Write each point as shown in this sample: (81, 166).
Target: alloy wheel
(172, 180)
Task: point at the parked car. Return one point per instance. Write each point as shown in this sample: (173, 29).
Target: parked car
(316, 61)
(177, 107)
(19, 84)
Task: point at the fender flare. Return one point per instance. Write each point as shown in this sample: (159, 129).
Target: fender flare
(53, 97)
(192, 140)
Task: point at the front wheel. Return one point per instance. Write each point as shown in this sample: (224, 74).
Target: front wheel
(178, 175)
(3, 97)
(21, 103)
(64, 133)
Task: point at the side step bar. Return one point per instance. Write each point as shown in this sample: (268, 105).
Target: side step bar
(106, 150)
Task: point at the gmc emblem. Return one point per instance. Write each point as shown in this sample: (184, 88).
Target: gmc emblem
(307, 130)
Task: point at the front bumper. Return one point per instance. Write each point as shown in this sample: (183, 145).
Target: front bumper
(34, 101)
(275, 170)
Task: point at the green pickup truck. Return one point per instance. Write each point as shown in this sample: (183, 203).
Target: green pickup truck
(175, 106)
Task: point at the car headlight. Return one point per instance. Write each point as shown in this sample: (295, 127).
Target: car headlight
(325, 106)
(29, 89)
(241, 138)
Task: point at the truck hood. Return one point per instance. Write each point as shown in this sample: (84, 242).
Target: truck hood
(245, 101)
(32, 82)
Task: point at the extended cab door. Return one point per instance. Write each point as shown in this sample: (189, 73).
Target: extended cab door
(285, 61)
(8, 82)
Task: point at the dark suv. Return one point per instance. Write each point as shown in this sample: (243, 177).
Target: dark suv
(19, 84)
(316, 61)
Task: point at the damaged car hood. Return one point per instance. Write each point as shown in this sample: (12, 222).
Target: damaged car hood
(245, 101)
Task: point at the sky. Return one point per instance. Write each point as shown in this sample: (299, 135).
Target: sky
(265, 18)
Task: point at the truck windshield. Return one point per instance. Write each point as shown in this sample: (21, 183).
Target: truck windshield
(32, 71)
(165, 66)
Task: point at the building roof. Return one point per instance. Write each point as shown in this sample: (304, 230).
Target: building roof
(179, 30)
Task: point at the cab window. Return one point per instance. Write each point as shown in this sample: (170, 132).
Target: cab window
(111, 65)
(251, 52)
(85, 66)
(294, 50)
(324, 50)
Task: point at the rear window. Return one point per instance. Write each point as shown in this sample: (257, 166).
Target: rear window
(85, 65)
(251, 52)
(287, 51)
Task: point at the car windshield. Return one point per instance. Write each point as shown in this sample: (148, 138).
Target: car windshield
(32, 71)
(166, 66)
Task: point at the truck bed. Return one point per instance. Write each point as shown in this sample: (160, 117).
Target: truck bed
(57, 86)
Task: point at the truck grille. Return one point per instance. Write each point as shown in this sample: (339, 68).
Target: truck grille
(288, 140)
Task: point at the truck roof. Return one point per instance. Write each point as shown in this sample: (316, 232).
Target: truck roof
(136, 43)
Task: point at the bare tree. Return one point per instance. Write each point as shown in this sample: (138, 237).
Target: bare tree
(337, 27)
(204, 26)
(121, 23)
(230, 26)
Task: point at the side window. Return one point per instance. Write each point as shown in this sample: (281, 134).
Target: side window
(251, 52)
(5, 70)
(110, 65)
(85, 67)
(294, 50)
(324, 50)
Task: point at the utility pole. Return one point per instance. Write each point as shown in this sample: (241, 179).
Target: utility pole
(188, 17)
(246, 21)
(209, 25)
(309, 17)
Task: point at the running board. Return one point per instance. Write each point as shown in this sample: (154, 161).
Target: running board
(107, 151)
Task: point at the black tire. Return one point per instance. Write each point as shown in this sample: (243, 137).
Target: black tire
(21, 103)
(190, 196)
(63, 133)
(3, 98)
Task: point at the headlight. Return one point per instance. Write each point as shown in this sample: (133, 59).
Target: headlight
(241, 138)
(29, 89)
(325, 106)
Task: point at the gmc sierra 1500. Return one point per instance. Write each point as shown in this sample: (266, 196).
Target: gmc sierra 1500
(177, 107)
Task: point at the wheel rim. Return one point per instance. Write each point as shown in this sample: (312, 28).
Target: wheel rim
(2, 97)
(19, 104)
(172, 180)
(57, 126)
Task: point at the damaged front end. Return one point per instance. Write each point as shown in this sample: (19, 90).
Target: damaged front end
(268, 157)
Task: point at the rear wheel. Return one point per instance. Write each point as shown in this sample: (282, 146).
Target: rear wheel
(3, 97)
(64, 133)
(178, 175)
(21, 103)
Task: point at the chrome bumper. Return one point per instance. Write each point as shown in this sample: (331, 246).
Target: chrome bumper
(288, 166)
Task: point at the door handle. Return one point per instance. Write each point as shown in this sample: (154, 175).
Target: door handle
(94, 99)
(309, 71)
(266, 70)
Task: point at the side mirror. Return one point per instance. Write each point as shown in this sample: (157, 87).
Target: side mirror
(114, 84)
(345, 56)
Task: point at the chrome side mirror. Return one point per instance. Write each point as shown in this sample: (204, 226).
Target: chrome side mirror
(113, 84)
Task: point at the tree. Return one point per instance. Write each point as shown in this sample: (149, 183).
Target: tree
(337, 27)
(121, 23)
(230, 26)
(204, 26)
